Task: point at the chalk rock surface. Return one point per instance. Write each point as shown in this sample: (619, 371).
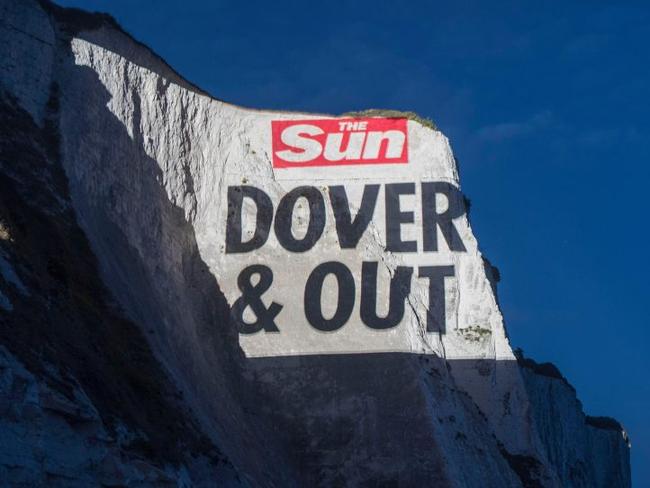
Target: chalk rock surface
(135, 342)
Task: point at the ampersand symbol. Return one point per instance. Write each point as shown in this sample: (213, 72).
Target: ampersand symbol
(252, 297)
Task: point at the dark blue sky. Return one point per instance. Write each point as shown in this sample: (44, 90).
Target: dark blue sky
(547, 110)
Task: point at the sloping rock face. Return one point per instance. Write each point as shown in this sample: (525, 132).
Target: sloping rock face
(141, 221)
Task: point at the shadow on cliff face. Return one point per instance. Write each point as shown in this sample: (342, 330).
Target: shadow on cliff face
(64, 327)
(343, 416)
(68, 329)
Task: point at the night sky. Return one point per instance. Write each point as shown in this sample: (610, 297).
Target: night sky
(547, 111)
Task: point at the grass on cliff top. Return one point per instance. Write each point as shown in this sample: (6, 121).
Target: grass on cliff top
(379, 112)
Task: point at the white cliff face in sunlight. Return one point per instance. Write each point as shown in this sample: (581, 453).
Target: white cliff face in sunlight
(231, 148)
(333, 243)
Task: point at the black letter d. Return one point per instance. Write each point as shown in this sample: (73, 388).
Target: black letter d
(263, 219)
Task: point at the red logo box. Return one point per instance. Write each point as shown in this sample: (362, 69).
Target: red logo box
(338, 142)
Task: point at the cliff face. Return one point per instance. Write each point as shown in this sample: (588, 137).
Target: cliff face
(119, 296)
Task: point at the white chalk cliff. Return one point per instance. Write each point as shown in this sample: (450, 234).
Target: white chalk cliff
(119, 362)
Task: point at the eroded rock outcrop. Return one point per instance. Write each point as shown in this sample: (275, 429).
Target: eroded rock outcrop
(115, 199)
